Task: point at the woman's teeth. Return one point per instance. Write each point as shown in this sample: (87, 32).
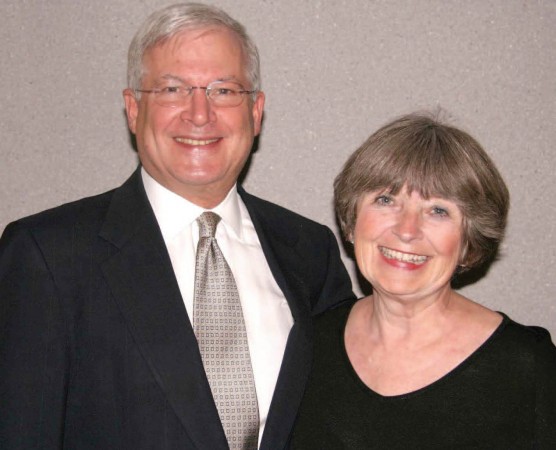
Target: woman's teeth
(404, 257)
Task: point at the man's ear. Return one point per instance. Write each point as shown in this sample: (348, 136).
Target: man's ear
(257, 110)
(131, 108)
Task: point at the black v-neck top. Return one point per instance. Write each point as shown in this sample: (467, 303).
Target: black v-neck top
(503, 396)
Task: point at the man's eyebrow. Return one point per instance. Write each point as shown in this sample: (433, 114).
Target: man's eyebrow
(171, 77)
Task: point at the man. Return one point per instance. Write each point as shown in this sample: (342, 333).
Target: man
(103, 339)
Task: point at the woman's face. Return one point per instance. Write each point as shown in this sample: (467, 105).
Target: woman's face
(406, 246)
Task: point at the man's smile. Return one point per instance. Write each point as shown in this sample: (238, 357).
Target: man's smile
(196, 142)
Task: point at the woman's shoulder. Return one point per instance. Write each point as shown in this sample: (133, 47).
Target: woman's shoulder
(528, 340)
(531, 334)
(340, 310)
(335, 317)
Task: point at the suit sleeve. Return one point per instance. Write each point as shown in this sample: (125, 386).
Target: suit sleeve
(33, 347)
(545, 410)
(336, 288)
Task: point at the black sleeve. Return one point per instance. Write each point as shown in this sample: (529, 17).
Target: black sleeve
(337, 287)
(34, 356)
(545, 360)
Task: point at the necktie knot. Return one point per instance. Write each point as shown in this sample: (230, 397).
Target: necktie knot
(208, 221)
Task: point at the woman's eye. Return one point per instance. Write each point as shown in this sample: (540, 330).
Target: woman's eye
(384, 200)
(438, 211)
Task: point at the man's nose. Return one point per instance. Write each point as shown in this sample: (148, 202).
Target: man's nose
(198, 109)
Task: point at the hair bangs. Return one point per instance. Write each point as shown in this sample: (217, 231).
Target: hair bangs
(422, 163)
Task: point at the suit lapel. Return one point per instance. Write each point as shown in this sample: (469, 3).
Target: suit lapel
(279, 248)
(143, 284)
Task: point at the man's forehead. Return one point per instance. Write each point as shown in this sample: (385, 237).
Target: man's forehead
(190, 35)
(159, 60)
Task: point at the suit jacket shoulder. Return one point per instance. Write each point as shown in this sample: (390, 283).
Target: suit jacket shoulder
(304, 249)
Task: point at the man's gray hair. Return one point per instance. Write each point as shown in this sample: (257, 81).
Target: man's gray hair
(167, 22)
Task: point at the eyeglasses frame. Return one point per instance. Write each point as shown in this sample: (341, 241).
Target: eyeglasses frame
(207, 90)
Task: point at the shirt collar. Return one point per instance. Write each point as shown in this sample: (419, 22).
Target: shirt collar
(174, 213)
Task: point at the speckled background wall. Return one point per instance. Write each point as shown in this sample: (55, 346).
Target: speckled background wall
(333, 71)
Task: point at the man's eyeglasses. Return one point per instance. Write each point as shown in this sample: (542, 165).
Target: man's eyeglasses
(225, 94)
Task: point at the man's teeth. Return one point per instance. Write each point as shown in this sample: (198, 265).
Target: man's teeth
(195, 141)
(405, 257)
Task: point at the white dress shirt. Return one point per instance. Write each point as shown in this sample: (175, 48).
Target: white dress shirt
(268, 318)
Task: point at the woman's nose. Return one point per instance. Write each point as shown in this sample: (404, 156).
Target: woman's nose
(408, 225)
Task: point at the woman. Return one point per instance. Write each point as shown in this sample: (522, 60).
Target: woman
(416, 365)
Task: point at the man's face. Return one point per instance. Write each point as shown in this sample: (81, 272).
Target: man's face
(196, 150)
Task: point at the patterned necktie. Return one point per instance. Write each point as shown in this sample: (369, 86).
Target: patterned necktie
(220, 330)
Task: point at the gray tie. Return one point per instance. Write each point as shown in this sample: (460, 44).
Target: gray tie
(220, 330)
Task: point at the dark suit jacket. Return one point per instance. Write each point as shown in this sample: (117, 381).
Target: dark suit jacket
(96, 350)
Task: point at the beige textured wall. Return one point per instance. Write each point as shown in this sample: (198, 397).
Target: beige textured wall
(333, 71)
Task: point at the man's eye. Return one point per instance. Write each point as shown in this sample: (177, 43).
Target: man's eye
(171, 90)
(224, 92)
